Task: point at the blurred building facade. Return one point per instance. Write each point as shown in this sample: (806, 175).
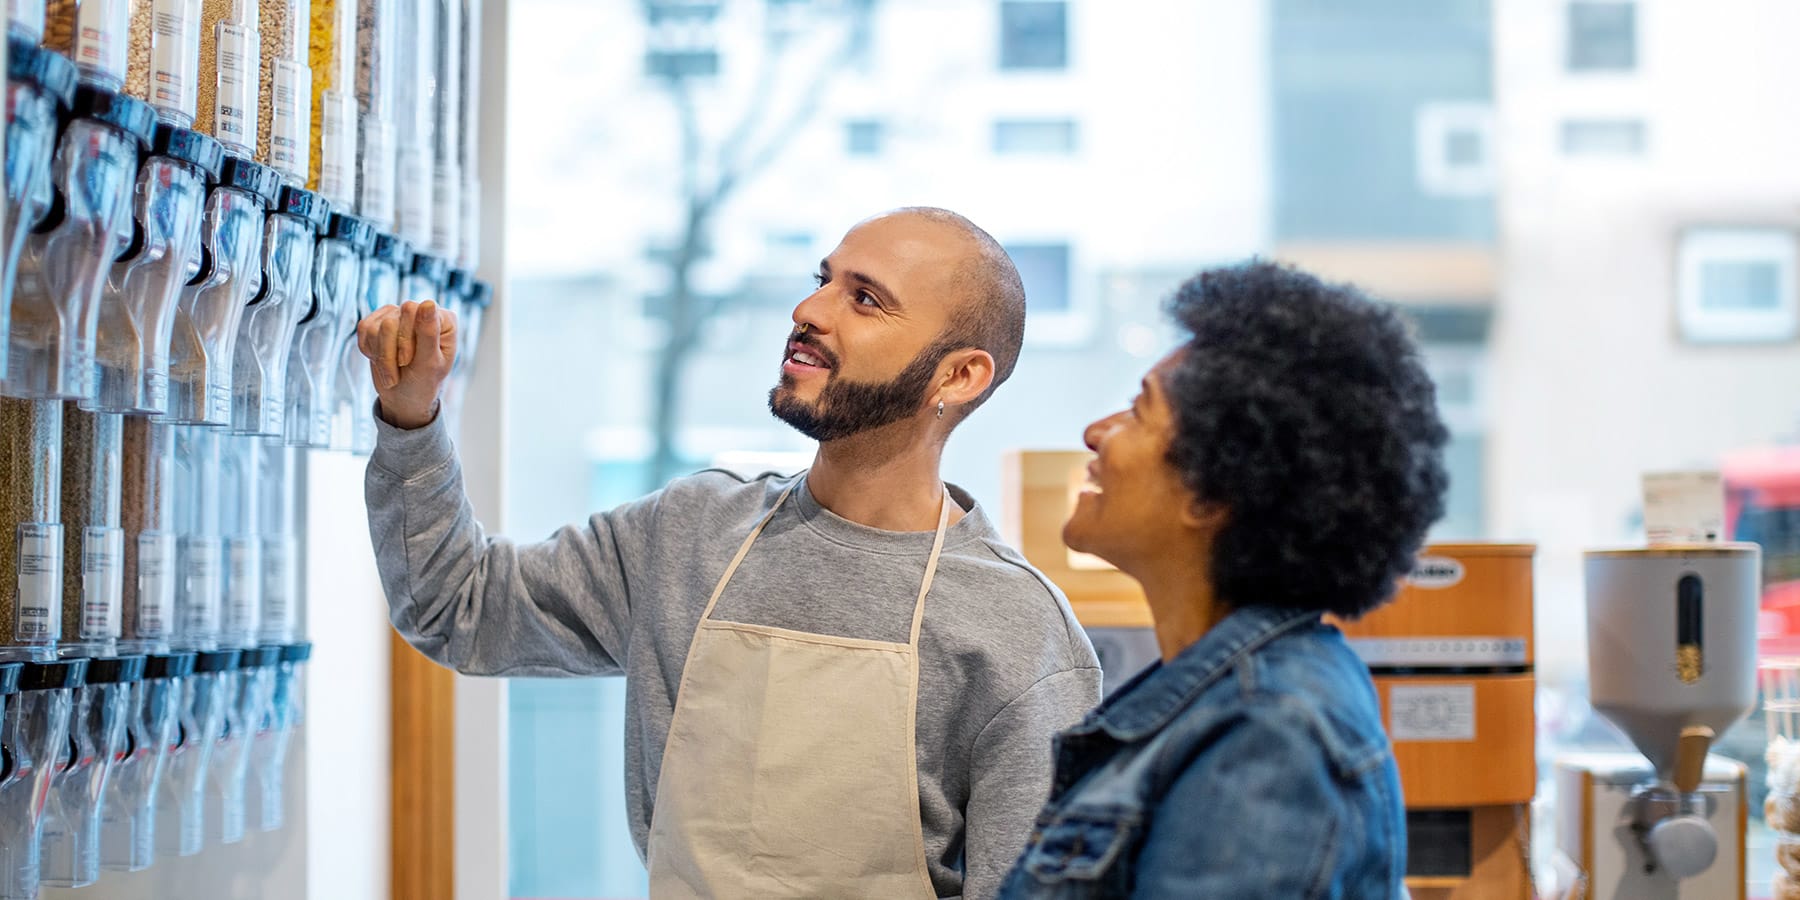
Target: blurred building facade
(1587, 207)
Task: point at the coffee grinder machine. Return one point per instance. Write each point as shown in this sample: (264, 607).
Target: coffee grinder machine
(1672, 663)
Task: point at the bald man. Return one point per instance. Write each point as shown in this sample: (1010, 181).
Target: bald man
(839, 684)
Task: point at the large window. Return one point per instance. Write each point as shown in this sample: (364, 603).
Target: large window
(1034, 34)
(1045, 270)
(1603, 137)
(1455, 149)
(1381, 121)
(1602, 36)
(1034, 136)
(1738, 285)
(864, 137)
(680, 40)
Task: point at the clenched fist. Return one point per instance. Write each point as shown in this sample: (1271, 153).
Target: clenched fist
(410, 349)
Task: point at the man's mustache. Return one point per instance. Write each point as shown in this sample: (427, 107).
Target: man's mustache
(813, 346)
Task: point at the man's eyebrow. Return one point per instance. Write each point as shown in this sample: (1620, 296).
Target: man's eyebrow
(860, 278)
(870, 282)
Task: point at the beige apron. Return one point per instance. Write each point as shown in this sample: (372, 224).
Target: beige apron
(789, 769)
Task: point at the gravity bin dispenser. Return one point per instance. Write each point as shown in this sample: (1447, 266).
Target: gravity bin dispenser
(202, 201)
(40, 91)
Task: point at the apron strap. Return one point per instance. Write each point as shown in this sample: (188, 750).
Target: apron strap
(937, 547)
(739, 558)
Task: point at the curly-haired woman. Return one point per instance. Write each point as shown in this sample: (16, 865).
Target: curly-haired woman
(1282, 464)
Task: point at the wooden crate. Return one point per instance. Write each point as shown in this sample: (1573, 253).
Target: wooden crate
(1492, 597)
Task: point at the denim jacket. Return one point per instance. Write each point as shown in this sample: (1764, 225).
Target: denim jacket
(1252, 766)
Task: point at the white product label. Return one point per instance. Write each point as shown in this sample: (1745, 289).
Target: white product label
(377, 172)
(102, 582)
(243, 585)
(415, 196)
(446, 216)
(200, 565)
(40, 582)
(83, 369)
(1441, 712)
(1436, 573)
(100, 35)
(337, 148)
(290, 112)
(278, 612)
(1440, 651)
(234, 107)
(174, 58)
(156, 583)
(1684, 507)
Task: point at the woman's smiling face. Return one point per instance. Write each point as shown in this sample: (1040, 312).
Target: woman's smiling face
(1135, 502)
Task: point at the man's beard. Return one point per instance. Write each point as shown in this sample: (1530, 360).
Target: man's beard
(847, 408)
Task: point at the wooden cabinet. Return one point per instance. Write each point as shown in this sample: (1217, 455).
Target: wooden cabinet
(1452, 657)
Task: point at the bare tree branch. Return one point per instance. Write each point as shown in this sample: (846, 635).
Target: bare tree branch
(739, 159)
(683, 95)
(761, 97)
(817, 83)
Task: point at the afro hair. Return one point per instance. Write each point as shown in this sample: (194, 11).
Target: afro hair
(1304, 409)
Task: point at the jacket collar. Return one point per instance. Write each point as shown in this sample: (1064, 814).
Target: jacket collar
(1147, 703)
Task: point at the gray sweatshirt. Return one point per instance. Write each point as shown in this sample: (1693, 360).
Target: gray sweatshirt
(1003, 665)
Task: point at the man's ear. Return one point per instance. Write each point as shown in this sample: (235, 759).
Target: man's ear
(964, 374)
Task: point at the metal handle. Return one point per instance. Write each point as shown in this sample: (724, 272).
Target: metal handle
(1685, 846)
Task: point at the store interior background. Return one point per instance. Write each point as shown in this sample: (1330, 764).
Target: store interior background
(1590, 207)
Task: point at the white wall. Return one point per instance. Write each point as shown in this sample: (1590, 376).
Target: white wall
(1590, 383)
(348, 708)
(481, 722)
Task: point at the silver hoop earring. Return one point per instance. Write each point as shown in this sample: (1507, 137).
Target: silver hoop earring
(940, 409)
